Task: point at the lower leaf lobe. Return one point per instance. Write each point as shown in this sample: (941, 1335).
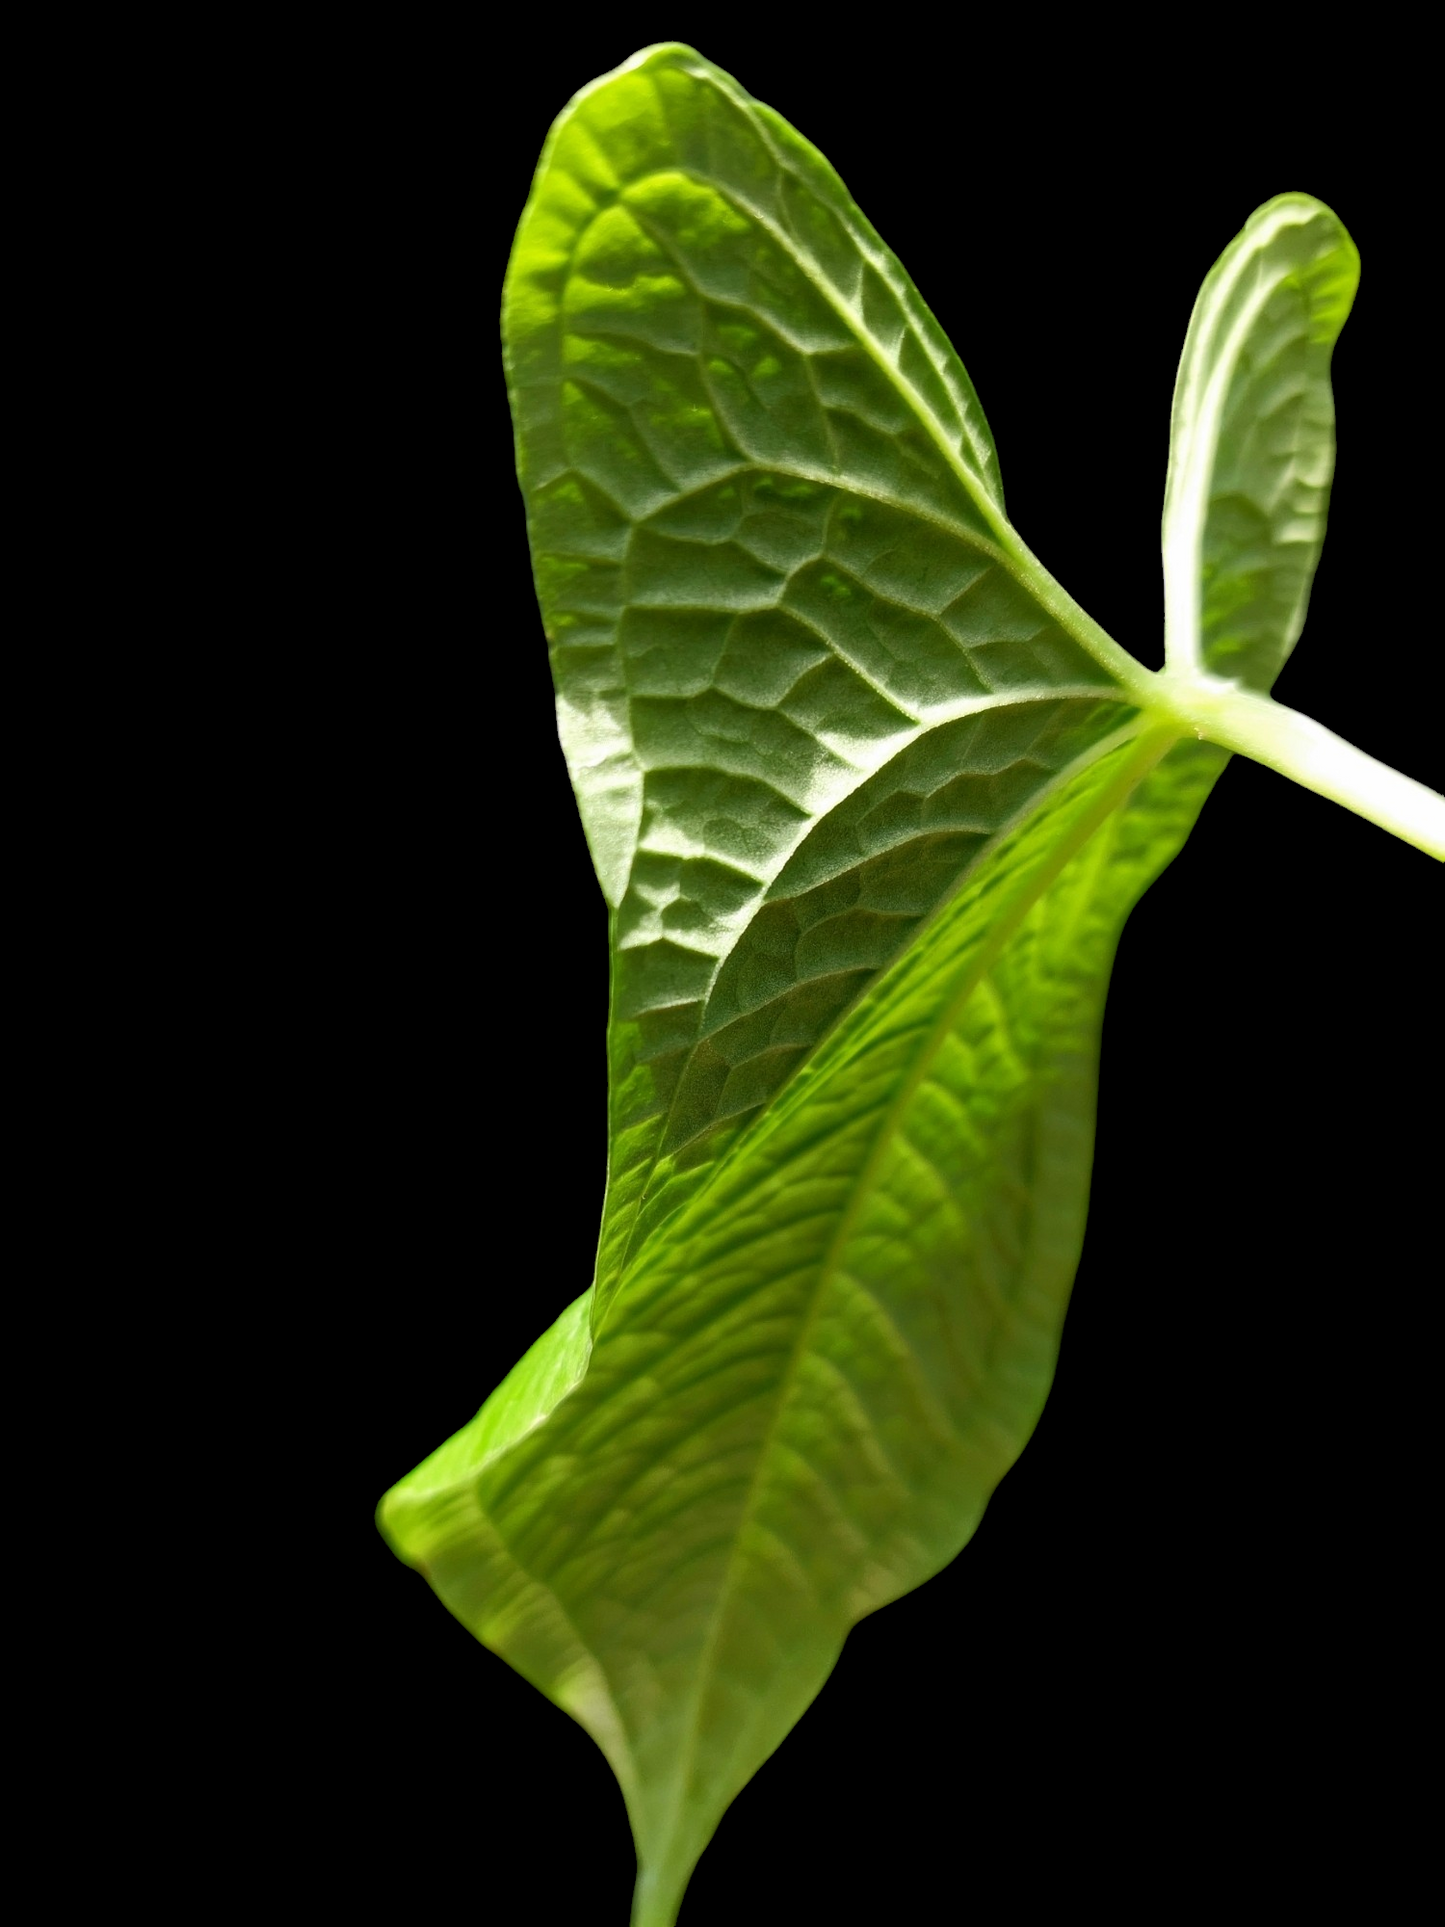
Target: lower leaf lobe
(803, 1396)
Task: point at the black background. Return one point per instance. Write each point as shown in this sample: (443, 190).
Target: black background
(1196, 1612)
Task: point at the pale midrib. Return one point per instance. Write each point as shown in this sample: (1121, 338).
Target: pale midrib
(1149, 752)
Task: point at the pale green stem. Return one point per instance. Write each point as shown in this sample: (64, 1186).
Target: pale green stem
(657, 1896)
(1296, 746)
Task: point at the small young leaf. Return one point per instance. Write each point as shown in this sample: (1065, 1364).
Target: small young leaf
(1253, 445)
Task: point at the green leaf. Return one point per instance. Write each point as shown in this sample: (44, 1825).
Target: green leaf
(869, 798)
(1252, 452)
(807, 1389)
(805, 669)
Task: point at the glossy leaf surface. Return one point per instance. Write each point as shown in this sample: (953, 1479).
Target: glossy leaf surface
(869, 798)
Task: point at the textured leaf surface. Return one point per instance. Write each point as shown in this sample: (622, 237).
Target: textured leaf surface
(1252, 453)
(804, 668)
(807, 1390)
(869, 798)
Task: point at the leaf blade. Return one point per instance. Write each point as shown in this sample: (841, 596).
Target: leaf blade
(714, 1546)
(1252, 443)
(805, 669)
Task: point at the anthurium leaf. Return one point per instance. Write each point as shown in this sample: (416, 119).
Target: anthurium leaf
(805, 668)
(1252, 452)
(869, 798)
(811, 1382)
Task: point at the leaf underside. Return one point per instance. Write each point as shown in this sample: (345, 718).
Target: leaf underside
(870, 800)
